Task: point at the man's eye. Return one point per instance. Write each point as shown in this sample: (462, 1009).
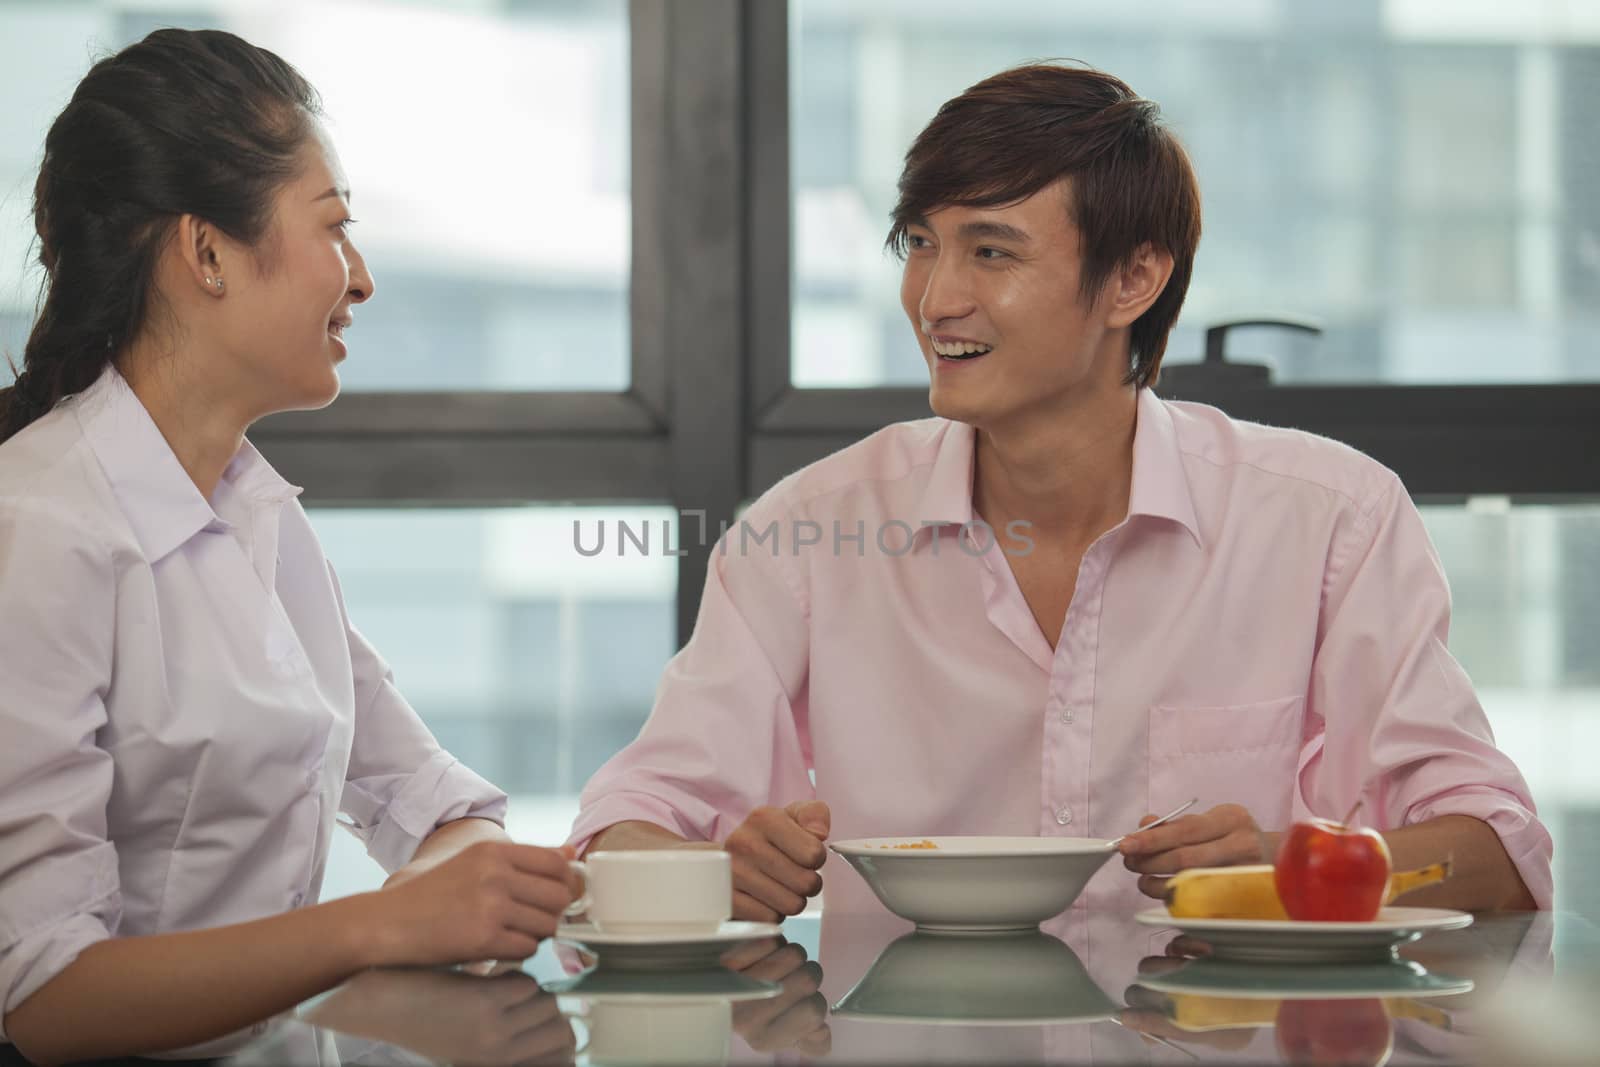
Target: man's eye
(343, 225)
(991, 253)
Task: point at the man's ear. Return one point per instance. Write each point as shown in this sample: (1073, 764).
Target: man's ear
(1137, 284)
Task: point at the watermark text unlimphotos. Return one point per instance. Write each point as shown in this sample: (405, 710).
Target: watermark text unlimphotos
(891, 537)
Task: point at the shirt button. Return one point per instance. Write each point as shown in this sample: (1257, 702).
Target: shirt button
(1064, 816)
(296, 900)
(1066, 716)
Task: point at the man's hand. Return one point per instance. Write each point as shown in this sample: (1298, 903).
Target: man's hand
(776, 854)
(1222, 837)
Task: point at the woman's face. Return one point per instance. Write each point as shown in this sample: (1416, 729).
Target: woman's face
(284, 314)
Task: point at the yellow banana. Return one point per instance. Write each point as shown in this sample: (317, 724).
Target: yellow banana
(1224, 893)
(1249, 892)
(1401, 882)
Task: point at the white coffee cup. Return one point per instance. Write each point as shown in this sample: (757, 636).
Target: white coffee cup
(656, 890)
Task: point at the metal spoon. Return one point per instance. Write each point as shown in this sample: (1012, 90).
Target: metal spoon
(1168, 817)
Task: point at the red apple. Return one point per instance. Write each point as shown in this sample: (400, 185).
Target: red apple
(1328, 1032)
(1329, 872)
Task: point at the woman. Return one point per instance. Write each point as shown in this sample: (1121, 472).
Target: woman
(184, 705)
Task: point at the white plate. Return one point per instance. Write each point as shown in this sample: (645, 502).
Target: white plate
(665, 951)
(1288, 941)
(659, 988)
(970, 884)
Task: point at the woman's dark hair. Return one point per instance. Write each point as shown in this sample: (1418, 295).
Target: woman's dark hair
(183, 122)
(1130, 180)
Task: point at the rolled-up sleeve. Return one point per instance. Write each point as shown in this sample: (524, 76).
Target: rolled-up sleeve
(401, 786)
(1401, 727)
(727, 732)
(59, 887)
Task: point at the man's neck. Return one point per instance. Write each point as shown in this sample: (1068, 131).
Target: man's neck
(1066, 472)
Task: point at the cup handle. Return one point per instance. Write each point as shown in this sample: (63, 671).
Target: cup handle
(581, 905)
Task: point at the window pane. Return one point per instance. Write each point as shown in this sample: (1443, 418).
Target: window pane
(1417, 175)
(1523, 581)
(532, 663)
(487, 150)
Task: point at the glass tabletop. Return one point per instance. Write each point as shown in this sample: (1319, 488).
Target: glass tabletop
(1088, 987)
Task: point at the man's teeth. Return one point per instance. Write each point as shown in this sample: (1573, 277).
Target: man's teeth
(960, 349)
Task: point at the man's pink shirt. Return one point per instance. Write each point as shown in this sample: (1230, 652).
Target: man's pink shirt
(1266, 627)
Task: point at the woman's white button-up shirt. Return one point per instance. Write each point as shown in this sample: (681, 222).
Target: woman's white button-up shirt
(184, 704)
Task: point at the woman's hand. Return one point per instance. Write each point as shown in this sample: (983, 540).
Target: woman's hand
(492, 900)
(447, 841)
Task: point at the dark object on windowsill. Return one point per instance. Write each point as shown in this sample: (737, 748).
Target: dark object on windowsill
(1215, 371)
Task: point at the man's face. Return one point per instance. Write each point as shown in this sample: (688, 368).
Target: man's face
(993, 296)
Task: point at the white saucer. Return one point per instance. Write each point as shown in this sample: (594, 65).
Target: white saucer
(671, 950)
(1288, 941)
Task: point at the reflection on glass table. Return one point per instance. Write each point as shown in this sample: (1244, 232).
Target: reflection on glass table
(1444, 1001)
(1091, 988)
(1007, 979)
(450, 1016)
(657, 1018)
(1328, 1013)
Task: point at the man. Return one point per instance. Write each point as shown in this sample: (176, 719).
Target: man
(1064, 603)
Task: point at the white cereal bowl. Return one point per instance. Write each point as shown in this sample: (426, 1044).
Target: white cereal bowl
(977, 885)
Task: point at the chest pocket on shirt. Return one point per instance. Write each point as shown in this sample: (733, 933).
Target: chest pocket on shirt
(1236, 754)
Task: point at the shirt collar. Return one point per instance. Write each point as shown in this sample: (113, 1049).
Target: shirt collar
(1160, 488)
(163, 505)
(250, 476)
(947, 495)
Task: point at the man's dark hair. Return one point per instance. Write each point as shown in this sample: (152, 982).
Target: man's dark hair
(1129, 180)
